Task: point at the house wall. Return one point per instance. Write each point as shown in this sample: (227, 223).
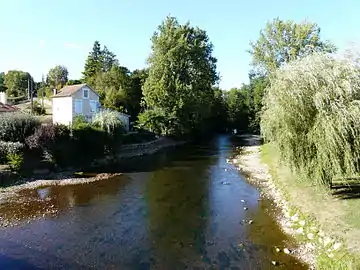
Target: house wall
(125, 120)
(86, 109)
(62, 110)
(3, 98)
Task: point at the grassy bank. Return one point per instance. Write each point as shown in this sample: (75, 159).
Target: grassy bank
(328, 221)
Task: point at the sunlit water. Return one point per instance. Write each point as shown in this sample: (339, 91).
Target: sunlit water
(178, 209)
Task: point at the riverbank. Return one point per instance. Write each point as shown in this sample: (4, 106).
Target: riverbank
(70, 177)
(320, 245)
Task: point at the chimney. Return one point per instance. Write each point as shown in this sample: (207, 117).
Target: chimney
(55, 91)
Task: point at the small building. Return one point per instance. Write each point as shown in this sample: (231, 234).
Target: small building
(74, 100)
(3, 98)
(125, 119)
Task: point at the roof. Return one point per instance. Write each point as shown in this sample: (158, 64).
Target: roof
(7, 108)
(69, 90)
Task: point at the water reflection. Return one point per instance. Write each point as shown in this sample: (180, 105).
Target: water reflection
(180, 209)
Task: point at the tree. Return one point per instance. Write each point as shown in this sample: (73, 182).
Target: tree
(113, 87)
(16, 82)
(72, 82)
(182, 72)
(312, 115)
(138, 78)
(283, 41)
(238, 108)
(57, 77)
(2, 82)
(98, 61)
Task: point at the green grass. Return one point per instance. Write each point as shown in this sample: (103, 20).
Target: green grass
(325, 215)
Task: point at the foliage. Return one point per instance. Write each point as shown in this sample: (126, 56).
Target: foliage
(238, 109)
(89, 143)
(218, 120)
(113, 87)
(15, 161)
(72, 82)
(134, 94)
(57, 77)
(16, 82)
(99, 60)
(182, 72)
(2, 82)
(16, 127)
(312, 115)
(38, 109)
(138, 137)
(79, 120)
(52, 141)
(283, 41)
(7, 148)
(107, 120)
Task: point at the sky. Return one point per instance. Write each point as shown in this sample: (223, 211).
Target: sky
(36, 35)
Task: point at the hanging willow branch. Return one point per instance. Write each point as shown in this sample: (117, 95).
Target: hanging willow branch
(312, 114)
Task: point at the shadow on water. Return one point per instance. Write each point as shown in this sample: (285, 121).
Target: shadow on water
(179, 209)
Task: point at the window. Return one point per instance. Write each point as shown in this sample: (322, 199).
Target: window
(93, 106)
(86, 93)
(78, 106)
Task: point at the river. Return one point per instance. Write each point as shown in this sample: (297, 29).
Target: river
(183, 208)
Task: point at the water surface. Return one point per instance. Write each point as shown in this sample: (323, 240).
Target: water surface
(180, 209)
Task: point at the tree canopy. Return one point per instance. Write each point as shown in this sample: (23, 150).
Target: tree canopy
(16, 82)
(182, 71)
(57, 77)
(282, 41)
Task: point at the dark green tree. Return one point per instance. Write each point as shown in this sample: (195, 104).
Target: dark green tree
(72, 82)
(182, 70)
(2, 82)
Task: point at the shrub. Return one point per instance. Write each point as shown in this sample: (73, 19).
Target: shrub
(9, 148)
(16, 127)
(79, 121)
(312, 114)
(89, 143)
(52, 141)
(38, 109)
(15, 161)
(107, 120)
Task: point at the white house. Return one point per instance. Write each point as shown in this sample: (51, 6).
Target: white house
(73, 100)
(79, 99)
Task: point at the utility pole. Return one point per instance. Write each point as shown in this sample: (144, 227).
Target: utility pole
(31, 97)
(28, 92)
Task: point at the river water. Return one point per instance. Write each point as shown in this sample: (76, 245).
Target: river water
(179, 209)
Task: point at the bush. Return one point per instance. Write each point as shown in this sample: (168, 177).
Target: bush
(16, 127)
(107, 120)
(52, 141)
(38, 109)
(15, 161)
(89, 143)
(9, 148)
(138, 137)
(79, 121)
(312, 114)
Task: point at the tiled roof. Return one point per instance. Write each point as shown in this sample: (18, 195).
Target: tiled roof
(7, 108)
(69, 90)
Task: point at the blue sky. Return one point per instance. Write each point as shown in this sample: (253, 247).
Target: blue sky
(39, 34)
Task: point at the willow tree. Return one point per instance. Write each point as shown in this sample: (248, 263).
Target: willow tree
(312, 114)
(182, 71)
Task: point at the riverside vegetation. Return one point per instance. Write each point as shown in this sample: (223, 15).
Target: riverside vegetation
(302, 96)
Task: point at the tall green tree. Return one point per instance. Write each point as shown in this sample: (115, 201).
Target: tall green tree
(16, 82)
(282, 41)
(113, 87)
(57, 77)
(238, 108)
(2, 82)
(182, 71)
(98, 61)
(138, 78)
